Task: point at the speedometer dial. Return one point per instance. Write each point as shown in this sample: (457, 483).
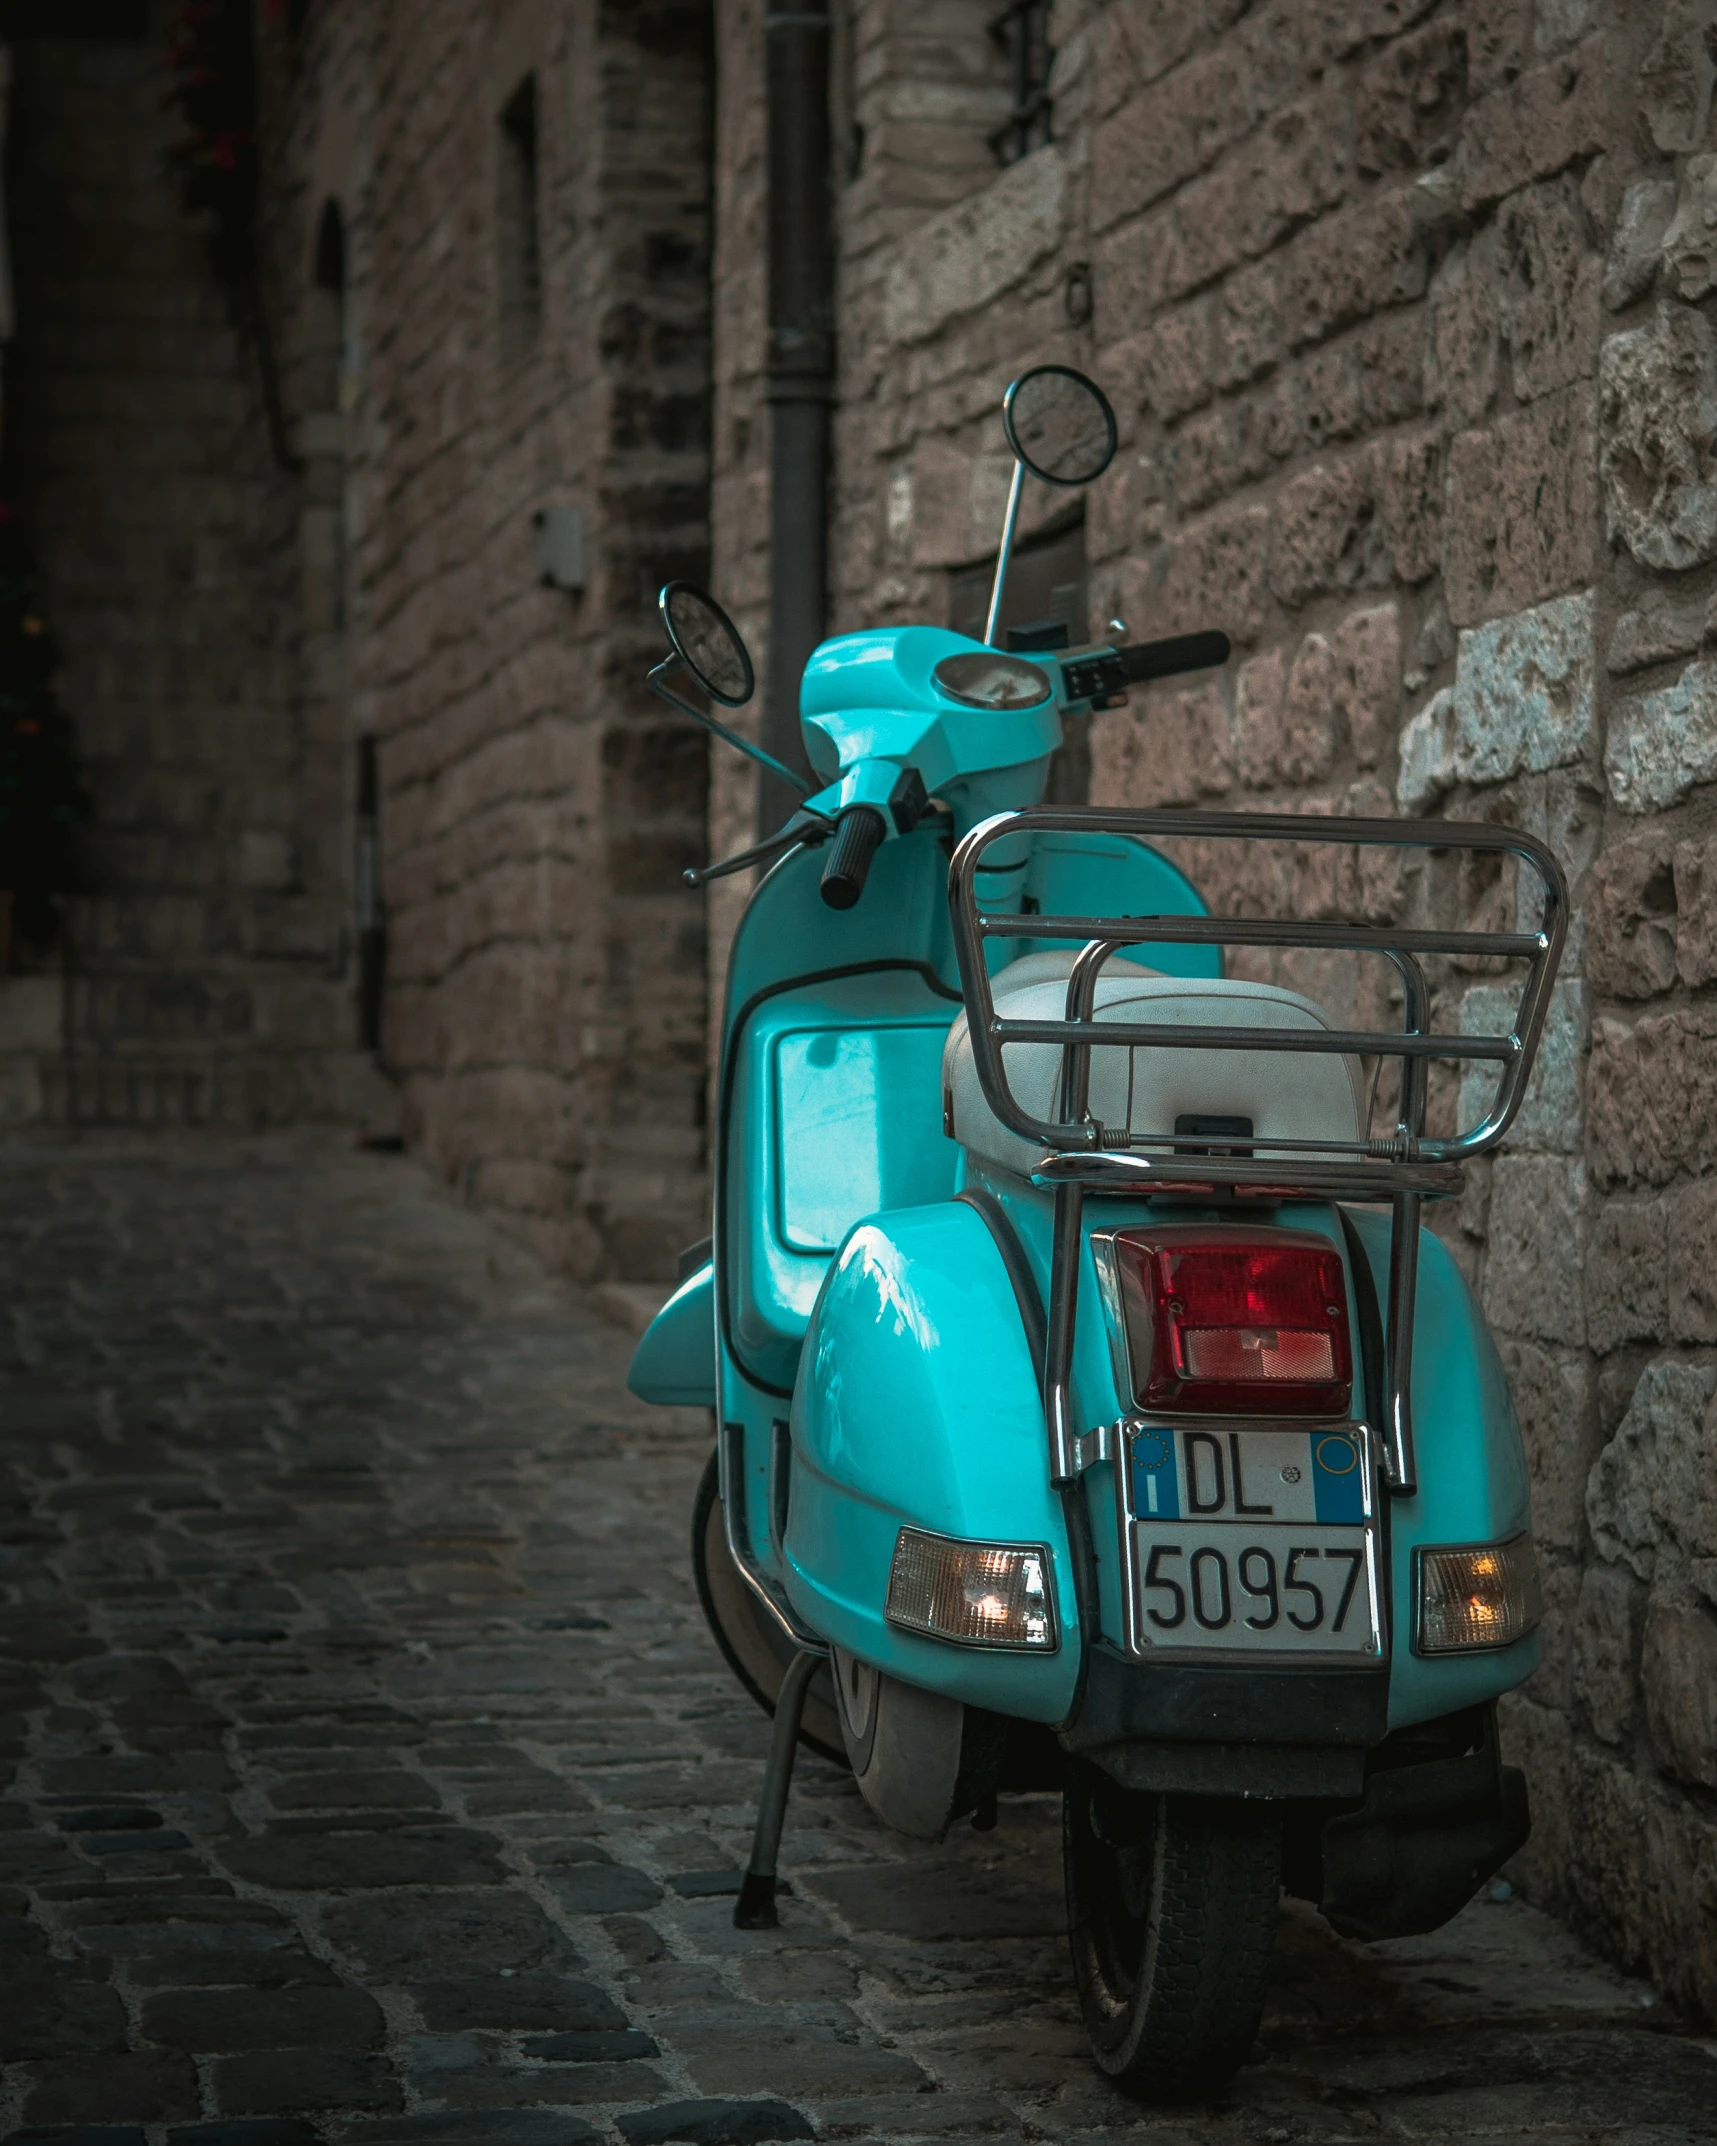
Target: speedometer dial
(988, 679)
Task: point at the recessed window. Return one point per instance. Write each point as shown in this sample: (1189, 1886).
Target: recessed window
(325, 313)
(516, 221)
(1022, 31)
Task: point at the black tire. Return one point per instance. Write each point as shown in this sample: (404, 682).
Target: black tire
(755, 1647)
(1171, 1910)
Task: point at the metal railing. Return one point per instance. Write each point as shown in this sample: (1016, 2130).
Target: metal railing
(1086, 1156)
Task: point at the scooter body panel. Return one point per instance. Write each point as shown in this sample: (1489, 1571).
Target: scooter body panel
(1473, 1483)
(918, 1405)
(674, 1363)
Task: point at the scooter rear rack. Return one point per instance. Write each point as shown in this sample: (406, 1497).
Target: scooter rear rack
(1086, 1157)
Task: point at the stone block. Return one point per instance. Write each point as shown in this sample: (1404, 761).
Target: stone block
(1532, 1261)
(1522, 507)
(1665, 625)
(1549, 1118)
(1548, 289)
(1365, 649)
(968, 256)
(1607, 1627)
(1678, 1674)
(1329, 395)
(1173, 749)
(1675, 80)
(420, 1855)
(1653, 1488)
(31, 1012)
(713, 2122)
(517, 2002)
(1690, 240)
(1695, 896)
(149, 2086)
(1692, 1260)
(1554, 1401)
(1661, 744)
(1346, 267)
(1388, 357)
(1258, 717)
(270, 2082)
(1535, 126)
(1201, 460)
(1627, 1273)
(1427, 770)
(1145, 39)
(1248, 328)
(1499, 44)
(938, 519)
(1523, 692)
(1409, 480)
(1635, 244)
(1630, 902)
(1326, 534)
(1407, 103)
(1213, 575)
(1126, 511)
(1651, 1092)
(1170, 362)
(1166, 132)
(209, 2021)
(1658, 393)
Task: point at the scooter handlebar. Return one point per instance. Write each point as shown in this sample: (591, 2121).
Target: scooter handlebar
(1182, 652)
(862, 832)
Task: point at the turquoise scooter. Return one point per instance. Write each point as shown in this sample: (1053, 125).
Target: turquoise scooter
(1093, 1412)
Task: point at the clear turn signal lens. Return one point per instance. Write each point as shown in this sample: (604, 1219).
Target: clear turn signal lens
(977, 1594)
(1485, 1596)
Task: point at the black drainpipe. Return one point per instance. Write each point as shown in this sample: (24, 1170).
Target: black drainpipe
(801, 369)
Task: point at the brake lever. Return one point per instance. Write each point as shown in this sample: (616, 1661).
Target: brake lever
(805, 830)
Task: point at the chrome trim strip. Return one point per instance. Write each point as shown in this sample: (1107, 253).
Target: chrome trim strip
(732, 1463)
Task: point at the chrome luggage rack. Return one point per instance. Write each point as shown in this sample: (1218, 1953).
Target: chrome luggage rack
(1409, 1167)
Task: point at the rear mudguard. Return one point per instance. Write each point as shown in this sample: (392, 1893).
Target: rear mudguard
(917, 1404)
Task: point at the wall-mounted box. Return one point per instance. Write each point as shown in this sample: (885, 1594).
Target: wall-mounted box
(560, 547)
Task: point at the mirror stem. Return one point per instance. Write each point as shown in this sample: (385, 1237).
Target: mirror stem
(993, 622)
(744, 745)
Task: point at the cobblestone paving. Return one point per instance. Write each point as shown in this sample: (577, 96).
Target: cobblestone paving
(361, 1748)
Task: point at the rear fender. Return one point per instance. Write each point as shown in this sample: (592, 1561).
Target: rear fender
(917, 1405)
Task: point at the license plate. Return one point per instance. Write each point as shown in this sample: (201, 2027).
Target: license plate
(1252, 1542)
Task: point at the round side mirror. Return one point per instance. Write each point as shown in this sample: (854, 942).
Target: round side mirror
(707, 642)
(1060, 425)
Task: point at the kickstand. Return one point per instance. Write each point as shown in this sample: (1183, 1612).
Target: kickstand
(756, 1907)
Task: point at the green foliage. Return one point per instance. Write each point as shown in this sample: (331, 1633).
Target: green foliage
(42, 797)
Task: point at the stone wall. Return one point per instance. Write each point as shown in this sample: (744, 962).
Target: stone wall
(1406, 312)
(523, 198)
(205, 958)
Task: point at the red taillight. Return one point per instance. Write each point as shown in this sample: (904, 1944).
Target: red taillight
(1251, 1321)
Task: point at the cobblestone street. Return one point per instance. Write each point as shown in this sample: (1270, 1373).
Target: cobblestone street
(366, 1764)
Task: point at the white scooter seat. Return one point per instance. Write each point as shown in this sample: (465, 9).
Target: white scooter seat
(1287, 1095)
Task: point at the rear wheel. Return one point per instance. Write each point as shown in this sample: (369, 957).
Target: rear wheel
(756, 1648)
(1171, 1908)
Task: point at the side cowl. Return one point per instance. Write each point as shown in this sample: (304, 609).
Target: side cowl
(917, 1405)
(674, 1363)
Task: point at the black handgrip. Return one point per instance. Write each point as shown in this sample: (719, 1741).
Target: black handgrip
(863, 829)
(1183, 652)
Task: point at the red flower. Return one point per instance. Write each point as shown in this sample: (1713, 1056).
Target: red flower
(28, 727)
